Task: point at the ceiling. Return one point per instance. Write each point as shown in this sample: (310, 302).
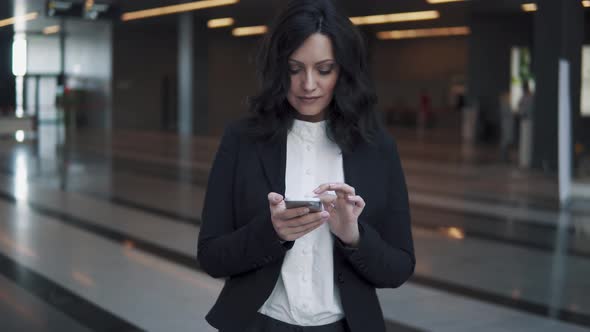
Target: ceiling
(257, 12)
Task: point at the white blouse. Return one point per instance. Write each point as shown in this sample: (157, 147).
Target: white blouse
(305, 293)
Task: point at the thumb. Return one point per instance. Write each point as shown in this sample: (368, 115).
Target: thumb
(274, 198)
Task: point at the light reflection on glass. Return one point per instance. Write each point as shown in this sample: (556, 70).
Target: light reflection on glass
(160, 266)
(25, 313)
(19, 69)
(455, 233)
(17, 247)
(20, 111)
(516, 294)
(19, 55)
(19, 136)
(21, 186)
(83, 279)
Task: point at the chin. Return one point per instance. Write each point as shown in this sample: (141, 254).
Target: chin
(309, 111)
(311, 114)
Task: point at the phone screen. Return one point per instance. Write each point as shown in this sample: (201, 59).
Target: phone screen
(313, 205)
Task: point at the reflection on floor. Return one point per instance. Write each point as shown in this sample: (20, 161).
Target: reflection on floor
(114, 250)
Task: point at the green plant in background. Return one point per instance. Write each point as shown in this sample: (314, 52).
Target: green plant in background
(523, 72)
(524, 66)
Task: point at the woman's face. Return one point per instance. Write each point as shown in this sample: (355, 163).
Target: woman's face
(314, 74)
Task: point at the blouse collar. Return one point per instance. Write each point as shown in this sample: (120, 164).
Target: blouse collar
(309, 130)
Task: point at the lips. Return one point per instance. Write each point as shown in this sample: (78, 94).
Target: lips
(309, 99)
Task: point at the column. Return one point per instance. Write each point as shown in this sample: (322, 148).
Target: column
(7, 80)
(558, 29)
(192, 75)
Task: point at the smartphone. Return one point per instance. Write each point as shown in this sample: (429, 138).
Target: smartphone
(314, 204)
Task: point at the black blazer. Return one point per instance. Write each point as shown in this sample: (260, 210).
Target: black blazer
(237, 239)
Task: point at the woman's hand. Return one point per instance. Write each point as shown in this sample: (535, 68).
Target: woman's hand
(345, 207)
(291, 224)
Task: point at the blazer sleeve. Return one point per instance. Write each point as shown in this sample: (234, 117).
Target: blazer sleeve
(223, 250)
(385, 252)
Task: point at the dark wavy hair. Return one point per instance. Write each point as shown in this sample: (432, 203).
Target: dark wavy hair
(351, 118)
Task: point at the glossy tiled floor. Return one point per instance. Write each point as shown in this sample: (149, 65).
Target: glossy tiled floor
(114, 250)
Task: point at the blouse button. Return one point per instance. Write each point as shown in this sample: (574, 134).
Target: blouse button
(309, 148)
(308, 172)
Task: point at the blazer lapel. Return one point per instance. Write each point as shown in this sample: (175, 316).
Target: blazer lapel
(353, 164)
(273, 156)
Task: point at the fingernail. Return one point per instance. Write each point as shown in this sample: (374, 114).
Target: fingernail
(325, 214)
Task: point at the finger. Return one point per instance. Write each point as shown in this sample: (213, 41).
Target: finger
(274, 198)
(322, 188)
(303, 228)
(327, 199)
(357, 200)
(293, 213)
(309, 228)
(341, 189)
(307, 219)
(329, 206)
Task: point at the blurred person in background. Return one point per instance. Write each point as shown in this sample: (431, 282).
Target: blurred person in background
(312, 133)
(525, 113)
(507, 126)
(425, 115)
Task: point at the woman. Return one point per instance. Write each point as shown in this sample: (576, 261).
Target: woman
(313, 133)
(525, 112)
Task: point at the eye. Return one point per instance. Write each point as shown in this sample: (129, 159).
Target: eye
(326, 70)
(294, 71)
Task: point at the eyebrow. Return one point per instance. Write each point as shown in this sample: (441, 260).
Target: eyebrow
(317, 63)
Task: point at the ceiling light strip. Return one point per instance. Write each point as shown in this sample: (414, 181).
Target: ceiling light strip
(249, 31)
(423, 33)
(174, 9)
(398, 17)
(220, 22)
(51, 29)
(16, 19)
(435, 2)
(529, 7)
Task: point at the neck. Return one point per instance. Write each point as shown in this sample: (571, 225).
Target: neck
(310, 118)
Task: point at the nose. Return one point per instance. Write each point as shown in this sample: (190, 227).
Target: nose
(309, 83)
